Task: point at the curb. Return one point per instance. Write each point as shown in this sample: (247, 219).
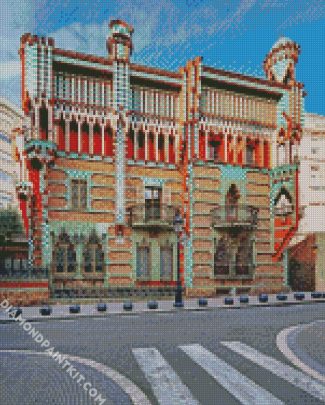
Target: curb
(164, 311)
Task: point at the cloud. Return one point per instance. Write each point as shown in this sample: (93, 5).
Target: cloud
(306, 13)
(9, 70)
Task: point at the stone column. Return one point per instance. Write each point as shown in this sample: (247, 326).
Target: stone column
(67, 135)
(91, 138)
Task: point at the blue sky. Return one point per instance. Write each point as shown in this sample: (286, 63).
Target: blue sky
(230, 34)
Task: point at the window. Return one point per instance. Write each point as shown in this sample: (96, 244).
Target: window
(314, 151)
(93, 256)
(283, 204)
(244, 256)
(166, 263)
(65, 259)
(222, 257)
(143, 262)
(250, 154)
(78, 194)
(152, 203)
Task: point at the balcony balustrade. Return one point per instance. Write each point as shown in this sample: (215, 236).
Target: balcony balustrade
(156, 216)
(231, 216)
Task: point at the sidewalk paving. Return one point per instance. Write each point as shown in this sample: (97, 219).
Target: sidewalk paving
(61, 312)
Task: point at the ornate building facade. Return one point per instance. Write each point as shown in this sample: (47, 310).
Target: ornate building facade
(116, 149)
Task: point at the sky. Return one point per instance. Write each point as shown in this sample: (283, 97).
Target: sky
(230, 34)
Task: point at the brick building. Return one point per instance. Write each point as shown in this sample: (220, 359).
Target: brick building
(116, 149)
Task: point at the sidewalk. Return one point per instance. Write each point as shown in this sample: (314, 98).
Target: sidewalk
(307, 342)
(61, 312)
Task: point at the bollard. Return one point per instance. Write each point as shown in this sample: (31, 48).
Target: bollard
(45, 311)
(229, 301)
(74, 309)
(263, 298)
(316, 295)
(152, 304)
(281, 297)
(299, 296)
(244, 299)
(128, 306)
(101, 307)
(15, 312)
(203, 302)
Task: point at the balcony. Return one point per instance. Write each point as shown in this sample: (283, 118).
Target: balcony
(159, 216)
(234, 216)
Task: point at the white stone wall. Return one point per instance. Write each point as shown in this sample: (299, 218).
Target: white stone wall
(11, 118)
(312, 174)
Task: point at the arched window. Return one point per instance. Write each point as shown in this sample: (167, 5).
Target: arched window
(266, 154)
(64, 255)
(151, 146)
(171, 150)
(93, 255)
(130, 144)
(250, 152)
(85, 138)
(61, 134)
(73, 136)
(161, 148)
(230, 150)
(97, 140)
(215, 147)
(202, 148)
(108, 141)
(141, 145)
(43, 122)
(239, 150)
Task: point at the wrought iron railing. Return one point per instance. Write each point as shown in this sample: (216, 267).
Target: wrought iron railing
(33, 274)
(157, 215)
(234, 215)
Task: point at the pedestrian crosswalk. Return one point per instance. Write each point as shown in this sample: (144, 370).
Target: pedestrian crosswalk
(169, 389)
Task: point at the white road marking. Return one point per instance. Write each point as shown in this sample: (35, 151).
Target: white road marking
(281, 342)
(279, 369)
(166, 385)
(241, 387)
(137, 396)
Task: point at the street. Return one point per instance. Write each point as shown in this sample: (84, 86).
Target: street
(224, 357)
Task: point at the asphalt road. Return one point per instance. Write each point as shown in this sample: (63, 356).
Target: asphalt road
(173, 358)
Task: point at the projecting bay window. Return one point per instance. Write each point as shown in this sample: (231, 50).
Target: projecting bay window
(78, 194)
